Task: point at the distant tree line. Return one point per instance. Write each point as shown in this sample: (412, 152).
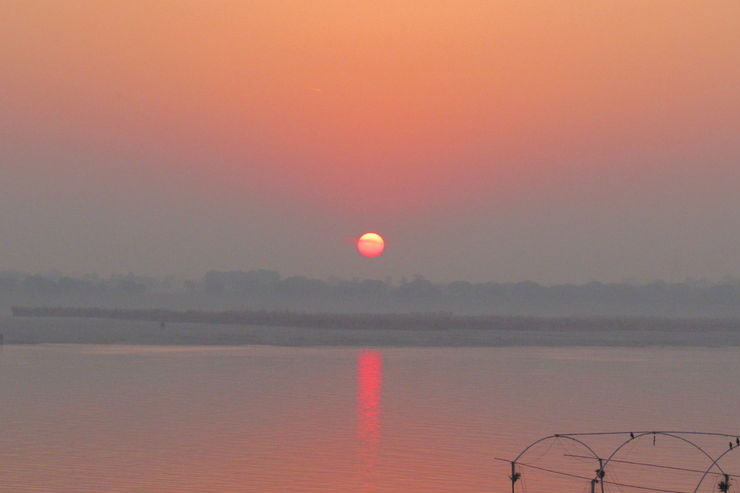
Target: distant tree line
(267, 289)
(12, 282)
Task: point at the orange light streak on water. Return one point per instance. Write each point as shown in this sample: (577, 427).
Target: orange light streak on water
(369, 386)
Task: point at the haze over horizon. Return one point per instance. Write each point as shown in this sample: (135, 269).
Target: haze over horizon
(506, 141)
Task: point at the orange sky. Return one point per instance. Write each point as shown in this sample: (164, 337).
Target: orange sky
(374, 111)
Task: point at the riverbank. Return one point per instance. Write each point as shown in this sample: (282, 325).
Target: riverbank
(294, 329)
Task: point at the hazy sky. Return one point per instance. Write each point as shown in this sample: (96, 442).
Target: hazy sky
(543, 140)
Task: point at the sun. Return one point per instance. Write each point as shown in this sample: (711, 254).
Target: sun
(370, 244)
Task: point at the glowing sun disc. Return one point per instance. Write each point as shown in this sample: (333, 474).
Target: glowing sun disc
(370, 244)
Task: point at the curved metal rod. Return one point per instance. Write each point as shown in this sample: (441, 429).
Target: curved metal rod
(713, 461)
(584, 444)
(639, 432)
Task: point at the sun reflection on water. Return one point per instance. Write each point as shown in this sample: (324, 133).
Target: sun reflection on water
(369, 385)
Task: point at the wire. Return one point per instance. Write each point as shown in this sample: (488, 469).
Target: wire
(549, 448)
(660, 466)
(615, 481)
(578, 476)
(651, 431)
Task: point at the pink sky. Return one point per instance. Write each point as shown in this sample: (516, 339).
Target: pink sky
(553, 141)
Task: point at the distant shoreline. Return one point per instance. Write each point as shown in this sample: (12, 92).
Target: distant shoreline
(398, 321)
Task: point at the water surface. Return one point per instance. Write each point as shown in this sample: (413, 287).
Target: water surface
(120, 418)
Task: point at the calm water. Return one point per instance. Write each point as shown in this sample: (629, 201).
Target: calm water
(258, 418)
